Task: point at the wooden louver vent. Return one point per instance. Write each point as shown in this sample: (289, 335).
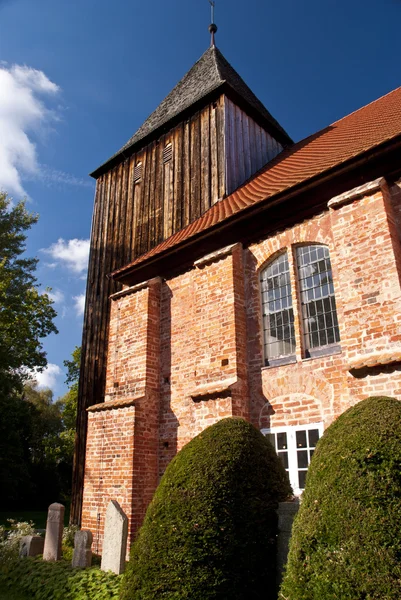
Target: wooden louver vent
(138, 172)
(167, 153)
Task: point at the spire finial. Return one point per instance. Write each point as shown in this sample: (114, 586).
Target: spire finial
(212, 26)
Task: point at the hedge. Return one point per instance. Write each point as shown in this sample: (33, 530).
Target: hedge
(346, 540)
(210, 531)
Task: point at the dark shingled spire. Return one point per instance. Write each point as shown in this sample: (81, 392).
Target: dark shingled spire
(210, 73)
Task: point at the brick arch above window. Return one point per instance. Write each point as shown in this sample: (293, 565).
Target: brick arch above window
(296, 408)
(317, 231)
(301, 379)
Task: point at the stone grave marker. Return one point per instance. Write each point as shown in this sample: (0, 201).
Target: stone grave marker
(115, 539)
(31, 545)
(54, 532)
(82, 556)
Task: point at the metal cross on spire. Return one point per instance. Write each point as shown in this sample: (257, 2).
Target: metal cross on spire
(212, 26)
(212, 5)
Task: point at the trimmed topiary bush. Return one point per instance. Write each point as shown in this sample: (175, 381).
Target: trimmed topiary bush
(210, 531)
(346, 539)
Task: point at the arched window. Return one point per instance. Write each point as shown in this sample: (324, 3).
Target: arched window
(278, 315)
(319, 314)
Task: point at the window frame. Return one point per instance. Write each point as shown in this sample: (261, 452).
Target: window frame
(293, 468)
(302, 352)
(325, 349)
(283, 359)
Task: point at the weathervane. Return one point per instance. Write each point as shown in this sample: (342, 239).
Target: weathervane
(212, 26)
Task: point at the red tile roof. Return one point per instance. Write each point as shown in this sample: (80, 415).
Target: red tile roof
(345, 139)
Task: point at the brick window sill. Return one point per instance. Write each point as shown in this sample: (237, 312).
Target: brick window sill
(213, 388)
(279, 362)
(323, 351)
(375, 359)
(315, 353)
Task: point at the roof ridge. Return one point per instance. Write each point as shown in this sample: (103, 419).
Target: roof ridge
(365, 106)
(216, 50)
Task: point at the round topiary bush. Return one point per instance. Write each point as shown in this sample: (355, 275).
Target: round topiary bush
(210, 530)
(346, 538)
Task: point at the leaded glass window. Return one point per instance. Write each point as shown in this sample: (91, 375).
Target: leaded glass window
(319, 314)
(278, 315)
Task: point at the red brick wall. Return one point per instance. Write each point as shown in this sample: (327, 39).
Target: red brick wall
(127, 436)
(127, 352)
(368, 279)
(109, 467)
(188, 351)
(203, 352)
(393, 193)
(364, 256)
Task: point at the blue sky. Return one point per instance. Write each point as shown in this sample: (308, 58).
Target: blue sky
(77, 78)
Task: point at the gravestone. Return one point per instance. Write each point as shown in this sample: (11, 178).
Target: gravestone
(54, 532)
(31, 545)
(115, 539)
(82, 556)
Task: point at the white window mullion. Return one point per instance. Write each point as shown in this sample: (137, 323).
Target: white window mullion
(292, 459)
(293, 450)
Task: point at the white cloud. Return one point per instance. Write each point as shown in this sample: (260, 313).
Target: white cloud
(56, 295)
(21, 113)
(48, 377)
(71, 253)
(33, 79)
(79, 304)
(53, 178)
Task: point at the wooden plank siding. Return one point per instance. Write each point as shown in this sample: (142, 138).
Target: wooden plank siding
(248, 146)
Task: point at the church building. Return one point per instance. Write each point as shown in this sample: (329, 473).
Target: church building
(234, 272)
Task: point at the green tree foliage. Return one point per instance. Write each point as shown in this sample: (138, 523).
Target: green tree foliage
(50, 454)
(67, 405)
(346, 542)
(73, 366)
(70, 400)
(15, 435)
(46, 424)
(37, 443)
(30, 453)
(210, 531)
(26, 315)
